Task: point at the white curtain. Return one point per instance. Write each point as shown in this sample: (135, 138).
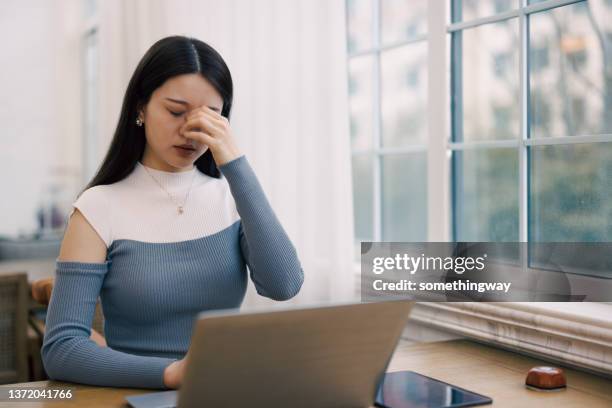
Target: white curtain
(290, 114)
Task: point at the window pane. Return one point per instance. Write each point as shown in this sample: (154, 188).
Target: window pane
(404, 197)
(486, 195)
(359, 16)
(490, 82)
(362, 197)
(464, 10)
(404, 95)
(402, 20)
(360, 101)
(570, 75)
(571, 203)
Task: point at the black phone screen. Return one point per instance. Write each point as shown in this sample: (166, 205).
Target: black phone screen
(407, 389)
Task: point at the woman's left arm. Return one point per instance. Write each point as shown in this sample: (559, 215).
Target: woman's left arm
(267, 250)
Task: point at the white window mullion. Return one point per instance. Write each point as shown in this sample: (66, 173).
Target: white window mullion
(438, 160)
(524, 127)
(377, 125)
(568, 140)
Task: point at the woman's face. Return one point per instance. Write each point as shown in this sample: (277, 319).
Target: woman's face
(164, 115)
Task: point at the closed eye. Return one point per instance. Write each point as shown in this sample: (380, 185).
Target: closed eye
(176, 113)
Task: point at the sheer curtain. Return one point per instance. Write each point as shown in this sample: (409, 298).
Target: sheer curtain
(288, 61)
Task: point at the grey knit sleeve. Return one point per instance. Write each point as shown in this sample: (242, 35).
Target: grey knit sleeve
(69, 354)
(271, 257)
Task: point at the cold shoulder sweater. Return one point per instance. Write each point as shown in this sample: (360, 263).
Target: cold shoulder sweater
(162, 268)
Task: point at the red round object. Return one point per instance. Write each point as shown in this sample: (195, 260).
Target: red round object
(546, 378)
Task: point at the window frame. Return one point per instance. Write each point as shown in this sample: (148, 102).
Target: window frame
(377, 152)
(444, 117)
(524, 142)
(485, 321)
(535, 328)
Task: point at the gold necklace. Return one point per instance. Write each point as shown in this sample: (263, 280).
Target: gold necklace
(180, 207)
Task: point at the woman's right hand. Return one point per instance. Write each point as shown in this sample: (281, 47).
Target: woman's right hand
(173, 374)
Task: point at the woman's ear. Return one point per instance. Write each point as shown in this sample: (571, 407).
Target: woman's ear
(141, 110)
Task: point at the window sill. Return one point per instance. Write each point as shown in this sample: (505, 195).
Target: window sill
(576, 334)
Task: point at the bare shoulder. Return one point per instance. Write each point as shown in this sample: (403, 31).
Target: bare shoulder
(81, 242)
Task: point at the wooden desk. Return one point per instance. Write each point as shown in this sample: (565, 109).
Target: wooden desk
(486, 370)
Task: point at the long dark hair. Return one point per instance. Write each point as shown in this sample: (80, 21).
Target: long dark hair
(167, 58)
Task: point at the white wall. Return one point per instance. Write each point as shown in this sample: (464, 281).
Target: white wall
(290, 115)
(40, 116)
(288, 60)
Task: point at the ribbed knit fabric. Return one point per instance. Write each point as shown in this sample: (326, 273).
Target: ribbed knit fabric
(152, 289)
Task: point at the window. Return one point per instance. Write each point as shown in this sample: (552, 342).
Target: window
(387, 70)
(532, 131)
(472, 9)
(525, 154)
(538, 58)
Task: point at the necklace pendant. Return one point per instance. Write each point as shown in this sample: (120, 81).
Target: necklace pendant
(180, 210)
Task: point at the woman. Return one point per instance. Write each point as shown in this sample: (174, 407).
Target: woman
(158, 234)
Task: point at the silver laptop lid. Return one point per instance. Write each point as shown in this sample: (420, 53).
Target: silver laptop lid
(328, 356)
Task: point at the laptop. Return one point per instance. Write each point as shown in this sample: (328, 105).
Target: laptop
(325, 356)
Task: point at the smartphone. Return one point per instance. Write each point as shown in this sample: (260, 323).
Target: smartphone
(407, 389)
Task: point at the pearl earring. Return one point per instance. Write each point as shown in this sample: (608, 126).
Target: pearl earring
(139, 122)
